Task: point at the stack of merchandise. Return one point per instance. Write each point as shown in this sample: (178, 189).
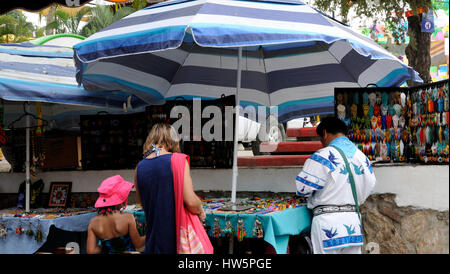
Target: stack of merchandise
(256, 205)
(45, 213)
(398, 124)
(429, 123)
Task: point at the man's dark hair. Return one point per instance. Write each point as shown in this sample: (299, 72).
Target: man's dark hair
(332, 125)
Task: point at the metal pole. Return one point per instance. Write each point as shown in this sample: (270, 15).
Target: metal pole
(236, 128)
(27, 163)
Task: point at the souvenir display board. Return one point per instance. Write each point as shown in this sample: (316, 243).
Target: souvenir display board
(59, 194)
(116, 141)
(429, 123)
(270, 219)
(397, 124)
(215, 154)
(112, 141)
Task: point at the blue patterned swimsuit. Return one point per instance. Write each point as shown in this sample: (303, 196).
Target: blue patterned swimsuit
(117, 245)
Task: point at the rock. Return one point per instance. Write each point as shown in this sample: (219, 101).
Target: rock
(399, 230)
(389, 213)
(429, 243)
(443, 216)
(372, 248)
(379, 229)
(413, 226)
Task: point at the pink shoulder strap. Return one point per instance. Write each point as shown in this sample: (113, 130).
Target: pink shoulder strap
(182, 216)
(178, 162)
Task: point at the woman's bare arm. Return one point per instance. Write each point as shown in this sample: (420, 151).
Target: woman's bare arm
(136, 186)
(191, 200)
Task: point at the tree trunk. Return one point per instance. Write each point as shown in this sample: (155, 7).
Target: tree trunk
(50, 18)
(418, 49)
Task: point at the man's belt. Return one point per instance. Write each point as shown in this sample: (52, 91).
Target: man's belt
(333, 209)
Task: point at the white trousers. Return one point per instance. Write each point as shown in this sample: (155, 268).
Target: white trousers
(345, 250)
(335, 224)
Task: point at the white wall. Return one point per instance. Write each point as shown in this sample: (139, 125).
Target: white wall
(418, 186)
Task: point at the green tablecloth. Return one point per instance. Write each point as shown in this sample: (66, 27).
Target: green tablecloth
(277, 226)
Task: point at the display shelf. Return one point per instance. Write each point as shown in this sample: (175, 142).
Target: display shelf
(112, 141)
(392, 125)
(272, 160)
(301, 132)
(291, 147)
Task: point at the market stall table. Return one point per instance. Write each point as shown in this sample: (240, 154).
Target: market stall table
(278, 219)
(25, 233)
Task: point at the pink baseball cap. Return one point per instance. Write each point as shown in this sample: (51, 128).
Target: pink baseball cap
(113, 191)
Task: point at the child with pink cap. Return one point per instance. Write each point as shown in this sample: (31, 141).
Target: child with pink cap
(113, 231)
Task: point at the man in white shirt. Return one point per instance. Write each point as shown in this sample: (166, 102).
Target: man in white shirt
(324, 179)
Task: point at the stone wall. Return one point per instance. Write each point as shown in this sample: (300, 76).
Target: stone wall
(404, 230)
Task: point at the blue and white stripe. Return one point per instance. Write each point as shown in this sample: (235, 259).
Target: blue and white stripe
(47, 74)
(341, 242)
(321, 160)
(293, 56)
(309, 183)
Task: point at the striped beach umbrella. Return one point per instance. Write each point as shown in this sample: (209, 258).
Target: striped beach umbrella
(42, 73)
(289, 55)
(293, 56)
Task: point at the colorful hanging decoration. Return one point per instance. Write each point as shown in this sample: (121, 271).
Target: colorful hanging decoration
(20, 230)
(240, 230)
(258, 231)
(3, 231)
(39, 235)
(29, 232)
(428, 21)
(404, 125)
(228, 230)
(217, 230)
(410, 13)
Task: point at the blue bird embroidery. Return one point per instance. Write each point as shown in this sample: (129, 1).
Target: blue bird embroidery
(329, 232)
(358, 170)
(344, 170)
(332, 159)
(317, 182)
(369, 166)
(350, 231)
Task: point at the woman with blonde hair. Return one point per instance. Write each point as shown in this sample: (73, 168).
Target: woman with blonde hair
(165, 190)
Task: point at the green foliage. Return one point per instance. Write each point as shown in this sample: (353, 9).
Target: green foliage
(14, 27)
(102, 16)
(63, 22)
(440, 5)
(40, 32)
(139, 4)
(379, 10)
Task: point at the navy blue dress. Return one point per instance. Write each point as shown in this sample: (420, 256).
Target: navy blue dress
(155, 184)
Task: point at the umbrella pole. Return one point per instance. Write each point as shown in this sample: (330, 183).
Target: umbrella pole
(236, 128)
(27, 163)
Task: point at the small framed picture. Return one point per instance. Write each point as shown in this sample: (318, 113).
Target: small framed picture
(59, 194)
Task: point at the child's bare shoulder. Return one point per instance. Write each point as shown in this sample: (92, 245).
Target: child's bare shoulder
(94, 221)
(127, 215)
